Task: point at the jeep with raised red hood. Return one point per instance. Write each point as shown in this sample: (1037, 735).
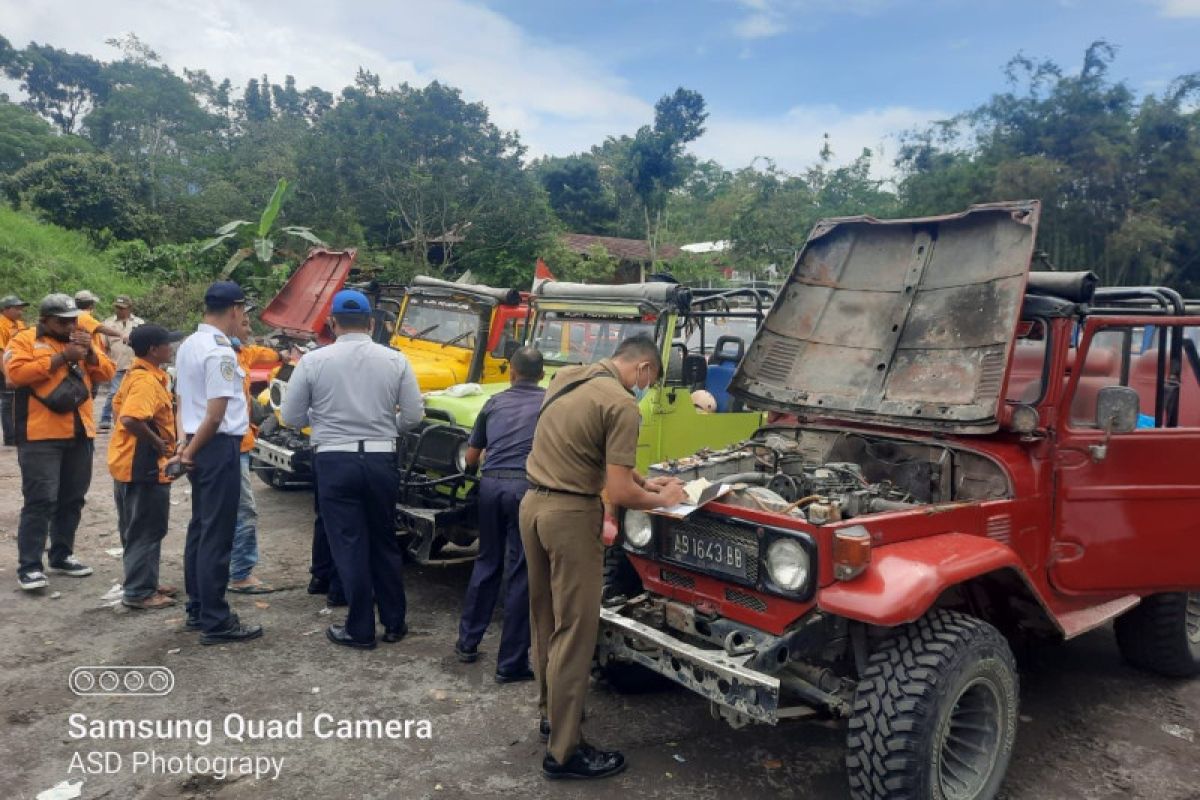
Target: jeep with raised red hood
(962, 452)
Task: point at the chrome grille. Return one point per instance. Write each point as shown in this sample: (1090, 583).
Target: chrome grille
(746, 600)
(676, 579)
(711, 528)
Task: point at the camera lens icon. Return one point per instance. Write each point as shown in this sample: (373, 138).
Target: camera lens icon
(140, 681)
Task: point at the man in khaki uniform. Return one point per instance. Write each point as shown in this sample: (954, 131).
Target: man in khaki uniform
(585, 442)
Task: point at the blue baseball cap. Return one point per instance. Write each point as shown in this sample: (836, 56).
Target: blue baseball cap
(223, 294)
(349, 301)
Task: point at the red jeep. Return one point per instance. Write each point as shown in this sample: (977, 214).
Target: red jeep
(963, 453)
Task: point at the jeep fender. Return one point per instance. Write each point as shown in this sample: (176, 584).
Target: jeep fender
(904, 579)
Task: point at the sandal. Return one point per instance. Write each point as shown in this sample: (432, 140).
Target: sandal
(168, 590)
(150, 603)
(257, 587)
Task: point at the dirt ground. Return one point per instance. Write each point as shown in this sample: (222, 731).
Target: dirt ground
(1090, 726)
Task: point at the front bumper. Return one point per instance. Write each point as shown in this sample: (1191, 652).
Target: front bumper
(431, 527)
(298, 463)
(741, 694)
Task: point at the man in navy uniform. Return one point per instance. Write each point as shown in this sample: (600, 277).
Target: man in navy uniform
(214, 417)
(504, 429)
(358, 396)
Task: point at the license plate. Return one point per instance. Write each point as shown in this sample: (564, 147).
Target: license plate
(709, 553)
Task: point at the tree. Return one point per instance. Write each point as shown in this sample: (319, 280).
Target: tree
(577, 194)
(26, 138)
(85, 191)
(62, 86)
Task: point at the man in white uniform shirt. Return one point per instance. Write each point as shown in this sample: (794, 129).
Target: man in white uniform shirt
(358, 396)
(214, 417)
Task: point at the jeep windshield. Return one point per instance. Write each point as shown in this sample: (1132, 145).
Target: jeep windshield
(442, 321)
(575, 338)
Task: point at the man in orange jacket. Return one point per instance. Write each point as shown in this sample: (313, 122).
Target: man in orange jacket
(12, 311)
(54, 368)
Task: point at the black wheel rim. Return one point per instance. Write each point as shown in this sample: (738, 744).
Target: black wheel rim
(969, 743)
(1193, 618)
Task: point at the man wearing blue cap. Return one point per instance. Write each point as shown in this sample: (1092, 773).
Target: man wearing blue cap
(214, 417)
(358, 396)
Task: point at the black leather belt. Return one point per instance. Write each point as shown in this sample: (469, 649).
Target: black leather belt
(535, 487)
(508, 474)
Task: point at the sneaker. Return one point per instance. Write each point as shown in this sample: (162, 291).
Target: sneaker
(71, 566)
(236, 632)
(33, 579)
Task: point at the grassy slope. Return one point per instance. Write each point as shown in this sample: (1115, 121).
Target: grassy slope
(37, 258)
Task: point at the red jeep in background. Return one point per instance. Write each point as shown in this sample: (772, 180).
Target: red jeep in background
(964, 453)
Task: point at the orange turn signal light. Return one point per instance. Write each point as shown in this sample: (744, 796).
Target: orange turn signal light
(851, 552)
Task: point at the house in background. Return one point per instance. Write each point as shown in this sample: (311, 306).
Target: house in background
(633, 254)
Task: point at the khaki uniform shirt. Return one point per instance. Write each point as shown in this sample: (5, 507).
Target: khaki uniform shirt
(120, 353)
(594, 425)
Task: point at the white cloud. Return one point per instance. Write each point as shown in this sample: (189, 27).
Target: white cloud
(1178, 8)
(556, 96)
(767, 18)
(794, 139)
(759, 26)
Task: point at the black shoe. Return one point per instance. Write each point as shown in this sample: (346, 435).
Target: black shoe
(336, 602)
(586, 762)
(337, 634)
(237, 632)
(544, 729)
(514, 677)
(318, 586)
(393, 635)
(466, 655)
(33, 579)
(192, 623)
(71, 566)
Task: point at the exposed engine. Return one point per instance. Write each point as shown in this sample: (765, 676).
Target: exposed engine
(829, 475)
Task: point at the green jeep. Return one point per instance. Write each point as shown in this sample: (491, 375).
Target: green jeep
(579, 324)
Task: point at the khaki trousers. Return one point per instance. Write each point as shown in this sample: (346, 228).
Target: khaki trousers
(565, 560)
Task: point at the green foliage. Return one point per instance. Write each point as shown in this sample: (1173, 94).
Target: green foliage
(595, 266)
(61, 85)
(259, 244)
(85, 191)
(577, 194)
(37, 258)
(26, 138)
(165, 263)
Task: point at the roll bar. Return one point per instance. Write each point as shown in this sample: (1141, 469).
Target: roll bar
(506, 297)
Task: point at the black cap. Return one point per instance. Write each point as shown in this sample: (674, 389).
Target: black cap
(143, 337)
(12, 301)
(223, 294)
(57, 305)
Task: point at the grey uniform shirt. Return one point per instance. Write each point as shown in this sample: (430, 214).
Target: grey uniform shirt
(353, 390)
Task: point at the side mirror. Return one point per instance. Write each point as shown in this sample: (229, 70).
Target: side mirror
(695, 370)
(1117, 409)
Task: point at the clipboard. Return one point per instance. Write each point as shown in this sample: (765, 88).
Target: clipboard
(707, 494)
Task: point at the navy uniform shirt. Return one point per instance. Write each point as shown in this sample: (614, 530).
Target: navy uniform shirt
(504, 428)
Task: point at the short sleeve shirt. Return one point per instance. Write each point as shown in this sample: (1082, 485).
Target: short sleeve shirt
(143, 395)
(207, 368)
(504, 428)
(578, 435)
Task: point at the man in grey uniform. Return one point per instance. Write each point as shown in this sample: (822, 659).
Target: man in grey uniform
(358, 396)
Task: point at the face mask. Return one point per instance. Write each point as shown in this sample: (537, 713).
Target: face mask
(236, 342)
(639, 391)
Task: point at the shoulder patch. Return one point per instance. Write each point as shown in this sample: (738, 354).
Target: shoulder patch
(228, 368)
(222, 340)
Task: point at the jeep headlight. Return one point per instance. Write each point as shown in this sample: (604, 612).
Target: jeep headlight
(787, 564)
(460, 458)
(638, 529)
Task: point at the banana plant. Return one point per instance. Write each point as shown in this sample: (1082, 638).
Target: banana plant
(262, 245)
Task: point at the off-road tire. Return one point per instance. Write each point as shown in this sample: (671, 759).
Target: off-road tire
(1162, 634)
(945, 668)
(620, 578)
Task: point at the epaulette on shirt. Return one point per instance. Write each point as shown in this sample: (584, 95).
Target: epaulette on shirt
(222, 340)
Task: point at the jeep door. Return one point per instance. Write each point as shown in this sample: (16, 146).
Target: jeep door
(1128, 504)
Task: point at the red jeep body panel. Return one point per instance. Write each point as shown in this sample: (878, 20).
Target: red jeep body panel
(303, 304)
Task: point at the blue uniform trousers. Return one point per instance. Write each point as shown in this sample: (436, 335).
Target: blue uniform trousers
(499, 535)
(357, 496)
(216, 489)
(322, 567)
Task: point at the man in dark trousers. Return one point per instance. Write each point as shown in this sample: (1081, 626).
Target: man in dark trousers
(358, 396)
(12, 322)
(585, 442)
(141, 443)
(54, 368)
(214, 418)
(504, 429)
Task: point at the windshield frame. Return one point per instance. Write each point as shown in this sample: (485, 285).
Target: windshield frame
(454, 305)
(592, 316)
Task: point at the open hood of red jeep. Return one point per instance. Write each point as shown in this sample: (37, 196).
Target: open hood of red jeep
(897, 322)
(302, 305)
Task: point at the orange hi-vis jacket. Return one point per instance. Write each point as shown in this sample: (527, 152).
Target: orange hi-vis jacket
(143, 395)
(27, 363)
(248, 356)
(87, 322)
(10, 328)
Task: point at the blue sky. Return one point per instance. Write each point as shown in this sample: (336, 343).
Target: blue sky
(777, 74)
